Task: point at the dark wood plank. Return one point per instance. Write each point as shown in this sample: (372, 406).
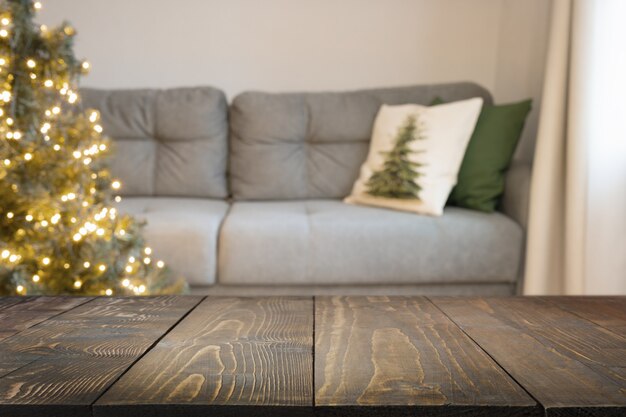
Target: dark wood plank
(11, 301)
(597, 347)
(403, 356)
(20, 313)
(62, 365)
(227, 358)
(608, 312)
(570, 365)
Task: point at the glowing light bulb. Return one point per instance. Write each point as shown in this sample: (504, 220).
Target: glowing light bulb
(98, 128)
(28, 156)
(160, 264)
(117, 200)
(109, 292)
(57, 147)
(45, 261)
(116, 185)
(78, 284)
(131, 259)
(77, 154)
(4, 33)
(10, 215)
(37, 5)
(48, 83)
(5, 21)
(13, 258)
(100, 232)
(77, 237)
(56, 110)
(36, 278)
(142, 288)
(93, 117)
(29, 218)
(147, 251)
(86, 65)
(146, 261)
(31, 63)
(44, 223)
(125, 283)
(7, 162)
(20, 289)
(102, 268)
(5, 254)
(129, 269)
(86, 264)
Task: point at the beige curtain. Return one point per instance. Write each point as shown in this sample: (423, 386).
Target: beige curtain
(577, 221)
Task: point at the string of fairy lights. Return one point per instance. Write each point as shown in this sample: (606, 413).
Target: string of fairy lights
(43, 134)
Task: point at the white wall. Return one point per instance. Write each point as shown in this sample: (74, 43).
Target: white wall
(520, 61)
(296, 45)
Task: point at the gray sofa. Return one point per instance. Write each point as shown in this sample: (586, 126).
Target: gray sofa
(246, 198)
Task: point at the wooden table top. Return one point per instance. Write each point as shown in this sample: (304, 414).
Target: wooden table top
(301, 356)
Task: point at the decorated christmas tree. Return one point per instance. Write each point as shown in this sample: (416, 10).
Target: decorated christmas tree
(59, 231)
(398, 176)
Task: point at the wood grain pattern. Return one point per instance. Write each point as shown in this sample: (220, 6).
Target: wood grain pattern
(20, 313)
(570, 365)
(608, 312)
(11, 301)
(62, 365)
(383, 356)
(406, 355)
(228, 357)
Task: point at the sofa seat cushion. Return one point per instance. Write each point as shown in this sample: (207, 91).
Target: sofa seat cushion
(181, 231)
(329, 242)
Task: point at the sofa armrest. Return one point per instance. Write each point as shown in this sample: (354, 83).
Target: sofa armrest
(517, 192)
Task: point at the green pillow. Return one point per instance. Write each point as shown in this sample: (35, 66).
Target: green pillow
(488, 156)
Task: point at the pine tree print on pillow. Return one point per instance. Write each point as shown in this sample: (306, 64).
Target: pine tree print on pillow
(403, 171)
(398, 176)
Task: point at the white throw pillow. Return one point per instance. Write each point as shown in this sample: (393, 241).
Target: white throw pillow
(415, 155)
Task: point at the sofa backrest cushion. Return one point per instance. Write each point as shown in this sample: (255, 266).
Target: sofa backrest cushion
(167, 142)
(311, 145)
